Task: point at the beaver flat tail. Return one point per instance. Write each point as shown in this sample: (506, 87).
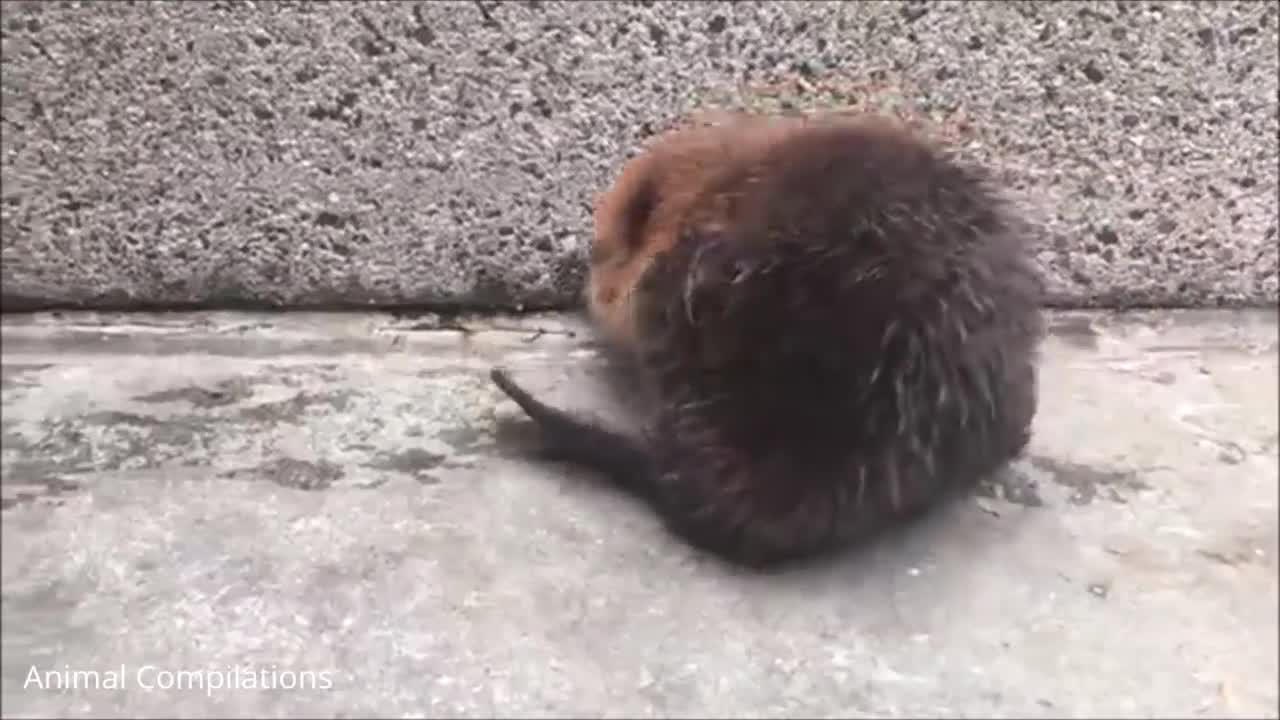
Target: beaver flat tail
(581, 442)
(685, 485)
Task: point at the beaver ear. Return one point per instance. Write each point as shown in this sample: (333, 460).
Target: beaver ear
(638, 211)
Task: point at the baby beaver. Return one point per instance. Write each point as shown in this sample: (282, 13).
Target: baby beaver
(839, 324)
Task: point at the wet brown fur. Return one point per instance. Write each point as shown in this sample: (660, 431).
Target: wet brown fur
(840, 324)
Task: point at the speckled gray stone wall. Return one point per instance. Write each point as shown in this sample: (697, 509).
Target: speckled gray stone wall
(398, 153)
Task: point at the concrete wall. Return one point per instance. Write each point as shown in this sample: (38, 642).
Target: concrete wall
(368, 153)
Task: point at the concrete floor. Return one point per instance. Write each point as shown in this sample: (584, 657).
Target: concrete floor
(240, 504)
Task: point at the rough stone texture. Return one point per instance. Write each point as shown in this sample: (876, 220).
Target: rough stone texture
(348, 496)
(393, 153)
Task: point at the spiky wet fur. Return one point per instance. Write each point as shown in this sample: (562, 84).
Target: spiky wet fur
(842, 331)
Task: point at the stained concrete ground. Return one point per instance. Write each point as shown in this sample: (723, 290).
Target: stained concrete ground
(345, 502)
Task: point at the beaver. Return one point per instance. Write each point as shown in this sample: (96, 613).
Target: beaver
(838, 322)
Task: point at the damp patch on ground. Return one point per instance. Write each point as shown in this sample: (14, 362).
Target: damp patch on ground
(224, 393)
(1078, 330)
(20, 375)
(1012, 485)
(50, 489)
(292, 473)
(102, 441)
(1088, 483)
(1021, 483)
(296, 407)
(414, 462)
